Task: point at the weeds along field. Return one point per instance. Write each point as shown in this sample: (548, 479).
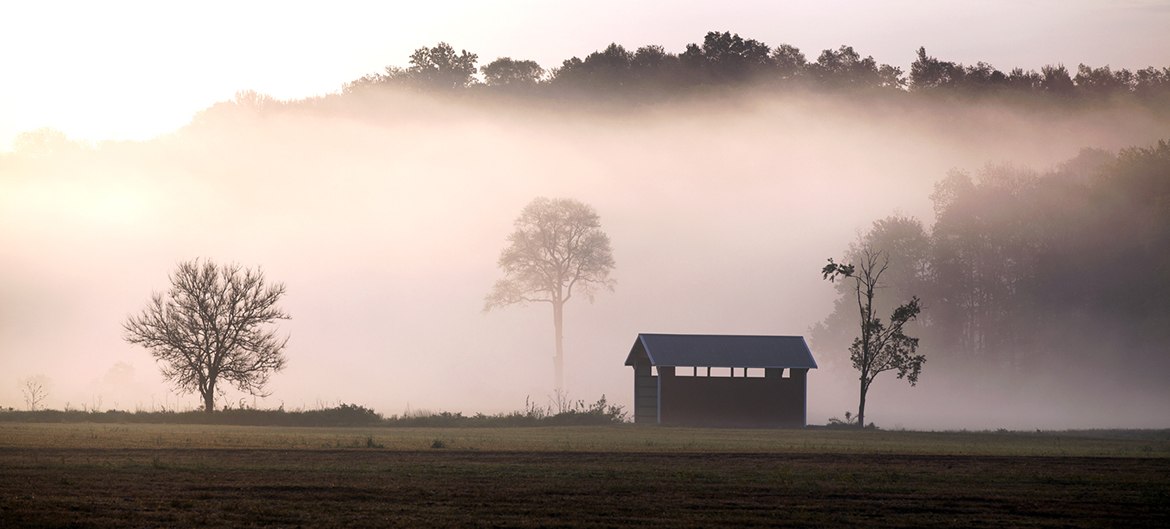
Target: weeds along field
(107, 475)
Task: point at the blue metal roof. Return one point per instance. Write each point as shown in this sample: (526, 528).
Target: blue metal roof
(722, 350)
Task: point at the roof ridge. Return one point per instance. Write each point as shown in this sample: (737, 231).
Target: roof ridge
(722, 335)
(723, 350)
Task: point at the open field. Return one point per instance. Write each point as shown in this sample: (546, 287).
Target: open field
(197, 476)
(617, 438)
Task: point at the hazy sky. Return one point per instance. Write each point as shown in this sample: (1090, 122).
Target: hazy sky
(134, 69)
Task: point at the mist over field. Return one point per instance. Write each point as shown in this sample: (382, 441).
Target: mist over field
(384, 214)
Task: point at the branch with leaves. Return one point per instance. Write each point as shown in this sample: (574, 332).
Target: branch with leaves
(881, 347)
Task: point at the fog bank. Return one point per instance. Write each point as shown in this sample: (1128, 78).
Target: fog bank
(384, 217)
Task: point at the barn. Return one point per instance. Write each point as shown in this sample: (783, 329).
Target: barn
(720, 380)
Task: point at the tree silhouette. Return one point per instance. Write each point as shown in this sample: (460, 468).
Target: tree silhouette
(788, 61)
(846, 68)
(506, 71)
(1056, 80)
(35, 390)
(930, 73)
(728, 56)
(440, 67)
(1102, 81)
(608, 69)
(880, 347)
(556, 250)
(211, 327)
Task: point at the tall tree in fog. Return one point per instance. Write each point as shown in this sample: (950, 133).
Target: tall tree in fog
(213, 327)
(881, 347)
(557, 249)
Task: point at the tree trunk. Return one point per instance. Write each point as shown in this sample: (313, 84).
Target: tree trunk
(559, 359)
(209, 399)
(861, 406)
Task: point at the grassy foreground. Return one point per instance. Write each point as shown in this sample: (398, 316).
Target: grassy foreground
(198, 476)
(617, 438)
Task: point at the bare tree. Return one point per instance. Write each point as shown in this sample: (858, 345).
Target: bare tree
(212, 327)
(880, 347)
(557, 249)
(35, 390)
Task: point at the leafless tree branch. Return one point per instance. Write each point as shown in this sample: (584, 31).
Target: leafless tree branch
(212, 326)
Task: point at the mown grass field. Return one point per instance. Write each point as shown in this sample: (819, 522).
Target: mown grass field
(199, 476)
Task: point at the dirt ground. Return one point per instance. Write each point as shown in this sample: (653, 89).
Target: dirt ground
(53, 487)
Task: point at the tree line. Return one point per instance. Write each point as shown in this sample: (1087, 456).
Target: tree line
(1024, 272)
(725, 58)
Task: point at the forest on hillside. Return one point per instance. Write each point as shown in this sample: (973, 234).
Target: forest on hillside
(723, 65)
(1063, 272)
(724, 59)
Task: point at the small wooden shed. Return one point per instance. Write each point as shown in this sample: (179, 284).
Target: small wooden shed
(720, 380)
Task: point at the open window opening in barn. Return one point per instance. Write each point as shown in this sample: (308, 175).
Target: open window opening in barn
(685, 371)
(720, 372)
(754, 372)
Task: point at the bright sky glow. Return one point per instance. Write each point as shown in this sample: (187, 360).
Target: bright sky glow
(127, 69)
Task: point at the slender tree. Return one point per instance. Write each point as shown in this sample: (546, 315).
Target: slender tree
(35, 390)
(556, 251)
(212, 326)
(880, 347)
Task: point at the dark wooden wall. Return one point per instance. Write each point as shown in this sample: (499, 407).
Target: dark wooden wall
(770, 401)
(645, 395)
